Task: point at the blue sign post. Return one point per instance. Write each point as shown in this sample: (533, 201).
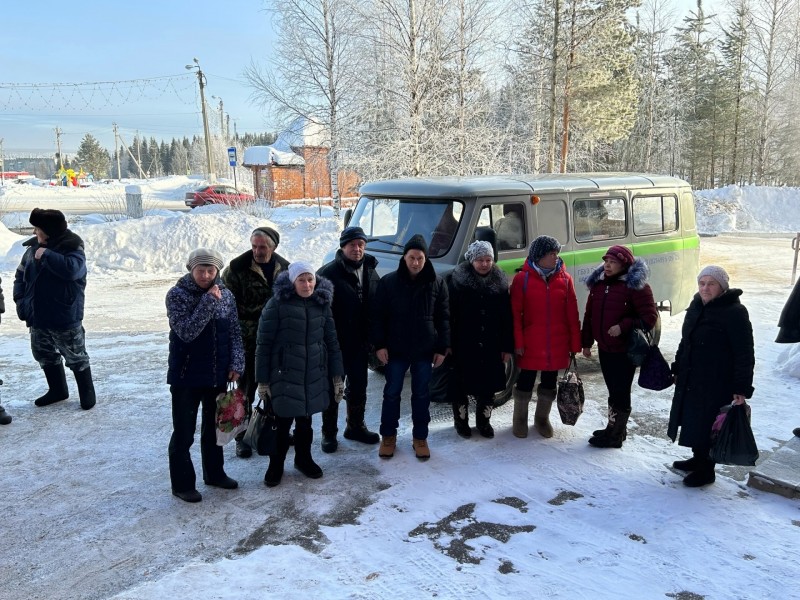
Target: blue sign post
(232, 163)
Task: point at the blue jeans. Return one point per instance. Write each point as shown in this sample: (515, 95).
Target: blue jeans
(395, 372)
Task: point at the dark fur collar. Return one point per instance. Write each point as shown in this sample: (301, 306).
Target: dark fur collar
(465, 276)
(635, 278)
(283, 290)
(66, 242)
(243, 262)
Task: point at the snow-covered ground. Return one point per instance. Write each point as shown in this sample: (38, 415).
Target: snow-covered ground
(87, 510)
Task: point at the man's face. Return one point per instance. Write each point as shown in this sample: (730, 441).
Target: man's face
(354, 250)
(262, 251)
(415, 260)
(41, 236)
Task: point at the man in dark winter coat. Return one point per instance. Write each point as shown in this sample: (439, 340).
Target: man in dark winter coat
(410, 330)
(789, 324)
(352, 273)
(5, 418)
(49, 291)
(250, 278)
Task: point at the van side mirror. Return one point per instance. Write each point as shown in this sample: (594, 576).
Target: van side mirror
(348, 214)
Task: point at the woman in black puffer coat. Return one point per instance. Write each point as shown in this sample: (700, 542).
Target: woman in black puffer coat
(298, 362)
(713, 368)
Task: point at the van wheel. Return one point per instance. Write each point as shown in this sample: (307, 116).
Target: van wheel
(657, 330)
(512, 372)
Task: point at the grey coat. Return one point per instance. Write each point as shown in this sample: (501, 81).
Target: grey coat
(297, 352)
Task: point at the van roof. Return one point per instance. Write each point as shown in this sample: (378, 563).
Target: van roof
(513, 185)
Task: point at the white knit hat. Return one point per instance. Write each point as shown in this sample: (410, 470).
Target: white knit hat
(717, 273)
(205, 256)
(298, 268)
(479, 249)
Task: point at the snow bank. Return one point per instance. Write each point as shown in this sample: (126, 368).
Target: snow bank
(748, 208)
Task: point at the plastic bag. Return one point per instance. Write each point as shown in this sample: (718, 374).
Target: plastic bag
(231, 414)
(733, 442)
(570, 396)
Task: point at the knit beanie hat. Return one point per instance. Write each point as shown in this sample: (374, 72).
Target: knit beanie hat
(270, 233)
(621, 254)
(542, 245)
(717, 273)
(417, 242)
(51, 221)
(351, 233)
(478, 250)
(298, 268)
(205, 256)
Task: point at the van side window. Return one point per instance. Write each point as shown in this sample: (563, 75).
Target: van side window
(510, 227)
(599, 219)
(654, 214)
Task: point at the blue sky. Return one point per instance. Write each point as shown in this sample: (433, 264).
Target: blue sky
(96, 41)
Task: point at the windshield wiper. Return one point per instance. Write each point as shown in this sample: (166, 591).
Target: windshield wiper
(387, 242)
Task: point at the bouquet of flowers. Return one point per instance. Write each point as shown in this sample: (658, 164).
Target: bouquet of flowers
(231, 415)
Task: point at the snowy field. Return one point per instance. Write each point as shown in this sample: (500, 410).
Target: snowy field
(88, 513)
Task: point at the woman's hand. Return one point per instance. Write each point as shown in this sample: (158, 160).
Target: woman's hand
(506, 356)
(738, 399)
(519, 351)
(382, 355)
(614, 331)
(215, 292)
(587, 352)
(438, 359)
(233, 376)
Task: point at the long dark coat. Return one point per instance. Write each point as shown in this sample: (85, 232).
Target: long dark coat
(715, 360)
(480, 328)
(297, 352)
(350, 313)
(50, 292)
(790, 318)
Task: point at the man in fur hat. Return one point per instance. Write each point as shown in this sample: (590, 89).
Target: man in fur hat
(49, 291)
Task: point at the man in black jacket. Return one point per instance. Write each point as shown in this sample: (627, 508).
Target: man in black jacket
(5, 418)
(410, 330)
(354, 279)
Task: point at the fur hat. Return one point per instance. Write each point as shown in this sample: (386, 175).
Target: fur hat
(717, 273)
(620, 254)
(52, 222)
(478, 250)
(269, 232)
(417, 242)
(298, 268)
(205, 256)
(351, 233)
(542, 245)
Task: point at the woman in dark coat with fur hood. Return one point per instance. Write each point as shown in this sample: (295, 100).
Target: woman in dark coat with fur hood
(620, 300)
(298, 362)
(481, 336)
(713, 368)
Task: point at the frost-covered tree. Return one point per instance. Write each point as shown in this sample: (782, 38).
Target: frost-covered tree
(92, 157)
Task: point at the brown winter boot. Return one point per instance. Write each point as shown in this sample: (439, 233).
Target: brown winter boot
(519, 422)
(421, 449)
(388, 444)
(541, 418)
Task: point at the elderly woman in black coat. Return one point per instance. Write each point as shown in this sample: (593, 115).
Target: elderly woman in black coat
(789, 324)
(713, 368)
(482, 336)
(298, 363)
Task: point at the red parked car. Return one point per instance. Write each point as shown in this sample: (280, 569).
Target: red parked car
(216, 194)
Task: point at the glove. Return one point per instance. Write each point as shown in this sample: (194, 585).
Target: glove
(263, 392)
(338, 389)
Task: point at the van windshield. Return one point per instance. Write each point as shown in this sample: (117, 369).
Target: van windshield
(390, 222)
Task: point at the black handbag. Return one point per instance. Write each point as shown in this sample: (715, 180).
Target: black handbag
(733, 442)
(639, 345)
(655, 373)
(570, 396)
(262, 431)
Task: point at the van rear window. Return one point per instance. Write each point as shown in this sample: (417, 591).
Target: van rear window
(599, 219)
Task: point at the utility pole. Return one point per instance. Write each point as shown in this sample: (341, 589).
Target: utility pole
(201, 79)
(116, 151)
(58, 149)
(139, 155)
(2, 164)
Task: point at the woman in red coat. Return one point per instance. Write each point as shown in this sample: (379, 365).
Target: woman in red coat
(620, 300)
(546, 331)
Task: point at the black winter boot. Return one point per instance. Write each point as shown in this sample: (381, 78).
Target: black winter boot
(704, 475)
(607, 430)
(56, 383)
(483, 412)
(330, 426)
(275, 470)
(5, 418)
(302, 454)
(356, 429)
(616, 435)
(461, 418)
(691, 464)
(85, 388)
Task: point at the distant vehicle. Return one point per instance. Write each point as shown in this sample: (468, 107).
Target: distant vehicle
(216, 194)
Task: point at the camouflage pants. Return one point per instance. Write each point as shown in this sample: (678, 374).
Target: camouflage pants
(49, 345)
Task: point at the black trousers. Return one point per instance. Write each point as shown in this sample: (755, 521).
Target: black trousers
(355, 393)
(526, 380)
(186, 401)
(618, 372)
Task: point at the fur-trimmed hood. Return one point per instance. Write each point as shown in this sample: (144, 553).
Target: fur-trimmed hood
(67, 241)
(283, 289)
(465, 276)
(635, 277)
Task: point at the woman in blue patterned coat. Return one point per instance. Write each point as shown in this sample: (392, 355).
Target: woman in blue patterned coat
(205, 353)
(298, 363)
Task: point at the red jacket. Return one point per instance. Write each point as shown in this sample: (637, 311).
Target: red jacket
(546, 323)
(623, 301)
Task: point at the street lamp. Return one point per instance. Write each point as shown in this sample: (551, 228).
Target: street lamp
(201, 79)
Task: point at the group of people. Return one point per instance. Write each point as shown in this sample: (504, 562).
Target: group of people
(301, 341)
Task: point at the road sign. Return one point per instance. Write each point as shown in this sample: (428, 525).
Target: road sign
(232, 156)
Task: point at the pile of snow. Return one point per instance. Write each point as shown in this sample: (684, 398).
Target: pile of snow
(748, 208)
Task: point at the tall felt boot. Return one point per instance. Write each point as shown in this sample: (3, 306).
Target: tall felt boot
(616, 435)
(56, 383)
(702, 476)
(356, 428)
(483, 413)
(5, 418)
(519, 422)
(461, 417)
(330, 427)
(541, 418)
(302, 453)
(275, 470)
(692, 464)
(85, 388)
